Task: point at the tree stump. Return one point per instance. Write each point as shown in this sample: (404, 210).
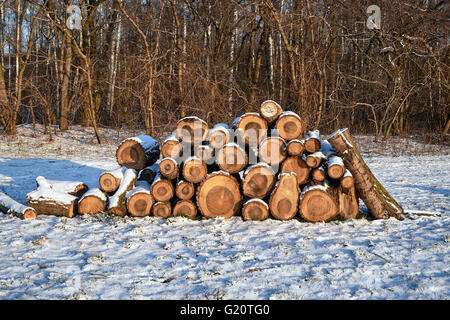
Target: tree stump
(138, 152)
(92, 202)
(284, 198)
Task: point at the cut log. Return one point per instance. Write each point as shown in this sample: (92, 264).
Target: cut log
(74, 188)
(49, 201)
(12, 207)
(348, 203)
(295, 147)
(283, 201)
(258, 181)
(194, 170)
(109, 181)
(272, 150)
(231, 158)
(347, 180)
(219, 195)
(251, 128)
(312, 141)
(148, 174)
(314, 160)
(205, 153)
(318, 174)
(298, 166)
(379, 202)
(319, 203)
(255, 209)
(168, 168)
(289, 125)
(171, 147)
(219, 135)
(185, 190)
(185, 208)
(162, 189)
(270, 110)
(93, 201)
(335, 167)
(162, 209)
(138, 152)
(191, 130)
(139, 200)
(117, 202)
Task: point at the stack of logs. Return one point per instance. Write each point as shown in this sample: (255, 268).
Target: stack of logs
(263, 165)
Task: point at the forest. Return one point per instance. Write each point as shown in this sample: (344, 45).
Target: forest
(146, 64)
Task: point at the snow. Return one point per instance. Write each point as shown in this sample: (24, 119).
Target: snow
(256, 200)
(59, 185)
(12, 205)
(315, 134)
(145, 141)
(335, 161)
(45, 193)
(103, 256)
(128, 176)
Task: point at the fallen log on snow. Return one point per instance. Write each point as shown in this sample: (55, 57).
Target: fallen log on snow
(48, 201)
(138, 152)
(74, 188)
(12, 207)
(140, 200)
(93, 201)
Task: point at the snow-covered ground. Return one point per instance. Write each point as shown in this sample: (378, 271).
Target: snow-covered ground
(106, 257)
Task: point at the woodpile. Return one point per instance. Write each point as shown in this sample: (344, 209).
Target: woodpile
(263, 165)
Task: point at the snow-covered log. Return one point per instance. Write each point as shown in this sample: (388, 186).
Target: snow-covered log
(11, 206)
(251, 128)
(48, 201)
(335, 167)
(109, 181)
(140, 200)
(74, 188)
(169, 169)
(272, 150)
(219, 135)
(171, 147)
(93, 201)
(117, 202)
(191, 130)
(162, 189)
(138, 152)
(295, 147)
(194, 170)
(149, 173)
(270, 110)
(319, 203)
(312, 141)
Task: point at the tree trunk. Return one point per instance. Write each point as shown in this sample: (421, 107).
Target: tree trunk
(272, 150)
(171, 147)
(378, 201)
(312, 141)
(219, 135)
(295, 147)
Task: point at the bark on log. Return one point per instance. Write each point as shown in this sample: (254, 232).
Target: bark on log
(379, 202)
(194, 170)
(289, 125)
(251, 128)
(12, 207)
(162, 189)
(185, 190)
(191, 130)
(231, 158)
(171, 147)
(312, 141)
(272, 150)
(138, 152)
(319, 203)
(185, 208)
(139, 200)
(295, 147)
(219, 135)
(283, 202)
(48, 201)
(168, 168)
(255, 209)
(270, 110)
(117, 202)
(74, 188)
(258, 181)
(109, 181)
(298, 166)
(219, 195)
(92, 202)
(162, 209)
(348, 203)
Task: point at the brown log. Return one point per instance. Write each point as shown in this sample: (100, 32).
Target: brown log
(251, 128)
(255, 209)
(312, 141)
(205, 153)
(295, 147)
(12, 207)
(231, 158)
(335, 167)
(377, 199)
(347, 180)
(319, 203)
(318, 174)
(283, 202)
(272, 150)
(74, 188)
(348, 202)
(194, 170)
(47, 201)
(171, 147)
(138, 152)
(191, 130)
(140, 200)
(270, 110)
(93, 201)
(162, 209)
(185, 208)
(219, 196)
(109, 181)
(258, 181)
(289, 125)
(314, 160)
(162, 189)
(185, 190)
(298, 166)
(219, 135)
(168, 168)
(117, 203)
